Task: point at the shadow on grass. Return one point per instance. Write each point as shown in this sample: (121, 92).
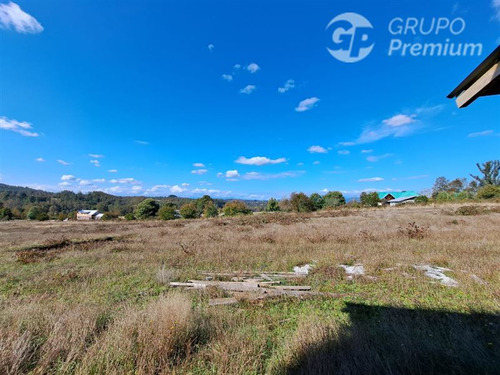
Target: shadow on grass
(386, 340)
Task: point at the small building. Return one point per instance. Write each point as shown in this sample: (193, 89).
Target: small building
(394, 198)
(87, 215)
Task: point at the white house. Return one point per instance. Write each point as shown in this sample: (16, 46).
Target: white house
(88, 215)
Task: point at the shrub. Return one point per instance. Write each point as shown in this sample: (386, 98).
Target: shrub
(469, 211)
(210, 210)
(317, 201)
(167, 212)
(189, 211)
(272, 205)
(422, 199)
(488, 192)
(334, 199)
(235, 208)
(443, 196)
(6, 214)
(147, 209)
(301, 202)
(130, 216)
(369, 199)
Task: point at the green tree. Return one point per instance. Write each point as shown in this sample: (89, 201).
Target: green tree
(369, 199)
(422, 199)
(6, 214)
(210, 210)
(317, 201)
(488, 192)
(189, 210)
(443, 196)
(334, 199)
(301, 203)
(273, 205)
(146, 209)
(33, 213)
(441, 184)
(490, 171)
(235, 208)
(167, 212)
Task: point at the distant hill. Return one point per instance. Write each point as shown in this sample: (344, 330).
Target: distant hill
(65, 203)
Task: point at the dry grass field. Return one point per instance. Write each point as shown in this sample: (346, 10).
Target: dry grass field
(94, 297)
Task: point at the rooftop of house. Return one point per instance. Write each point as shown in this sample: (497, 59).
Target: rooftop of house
(398, 194)
(88, 212)
(402, 199)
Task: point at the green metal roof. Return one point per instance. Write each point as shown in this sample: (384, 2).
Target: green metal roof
(398, 194)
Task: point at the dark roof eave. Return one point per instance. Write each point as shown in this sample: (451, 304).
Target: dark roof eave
(482, 68)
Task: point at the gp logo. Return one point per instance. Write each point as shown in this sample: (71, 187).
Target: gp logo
(351, 37)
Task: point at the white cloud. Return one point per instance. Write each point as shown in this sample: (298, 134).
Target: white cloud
(371, 179)
(184, 184)
(344, 152)
(127, 180)
(232, 174)
(177, 189)
(307, 104)
(399, 120)
(199, 171)
(85, 182)
(375, 158)
(96, 156)
(199, 165)
(316, 162)
(259, 160)
(253, 68)
(290, 84)
(65, 183)
(68, 177)
(317, 150)
(115, 189)
(366, 151)
(158, 187)
(483, 133)
(13, 17)
(62, 162)
(40, 160)
(20, 127)
(496, 8)
(144, 143)
(96, 163)
(227, 77)
(136, 189)
(248, 89)
(112, 170)
(347, 143)
(269, 176)
(99, 180)
(210, 47)
(237, 66)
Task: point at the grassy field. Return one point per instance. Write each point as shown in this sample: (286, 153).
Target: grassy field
(94, 298)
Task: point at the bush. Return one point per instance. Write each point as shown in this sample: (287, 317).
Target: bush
(130, 216)
(488, 192)
(369, 199)
(210, 210)
(469, 210)
(272, 205)
(167, 212)
(189, 211)
(317, 201)
(301, 202)
(235, 208)
(334, 199)
(6, 214)
(147, 209)
(422, 199)
(443, 196)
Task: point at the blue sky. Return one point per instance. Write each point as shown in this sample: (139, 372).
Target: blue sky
(235, 99)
